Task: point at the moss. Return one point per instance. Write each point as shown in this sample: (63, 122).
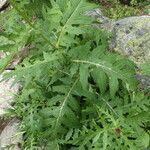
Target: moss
(115, 9)
(119, 11)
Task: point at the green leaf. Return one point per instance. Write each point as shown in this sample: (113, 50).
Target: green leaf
(84, 74)
(103, 65)
(6, 47)
(69, 135)
(144, 140)
(96, 138)
(145, 68)
(105, 142)
(100, 78)
(62, 4)
(73, 16)
(5, 62)
(63, 107)
(76, 94)
(113, 85)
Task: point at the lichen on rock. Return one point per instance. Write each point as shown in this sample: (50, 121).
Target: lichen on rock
(131, 37)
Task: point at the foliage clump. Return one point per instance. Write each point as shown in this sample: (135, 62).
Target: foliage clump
(76, 94)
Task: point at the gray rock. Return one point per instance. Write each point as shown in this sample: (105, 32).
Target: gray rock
(10, 136)
(144, 79)
(130, 37)
(98, 14)
(2, 3)
(7, 92)
(8, 131)
(102, 21)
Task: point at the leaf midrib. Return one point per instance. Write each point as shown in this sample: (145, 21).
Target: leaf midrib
(67, 22)
(101, 66)
(64, 103)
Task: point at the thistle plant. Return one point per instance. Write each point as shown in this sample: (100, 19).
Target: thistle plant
(76, 94)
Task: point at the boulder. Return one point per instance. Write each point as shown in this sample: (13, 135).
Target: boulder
(130, 37)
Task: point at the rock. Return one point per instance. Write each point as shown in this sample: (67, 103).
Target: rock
(131, 37)
(103, 22)
(144, 79)
(11, 136)
(7, 92)
(98, 14)
(8, 129)
(2, 3)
